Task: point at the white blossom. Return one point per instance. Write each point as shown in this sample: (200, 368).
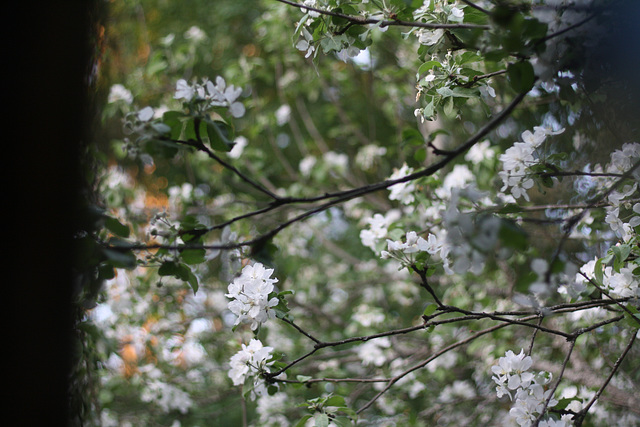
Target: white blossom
(283, 114)
(337, 161)
(378, 225)
(251, 361)
(311, 3)
(239, 144)
(456, 15)
(306, 43)
(145, 114)
(518, 158)
(479, 152)
(215, 95)
(404, 251)
(372, 352)
(250, 295)
(525, 389)
(368, 154)
(166, 396)
(429, 37)
(624, 283)
(195, 33)
(511, 370)
(306, 165)
(402, 191)
(184, 90)
(118, 92)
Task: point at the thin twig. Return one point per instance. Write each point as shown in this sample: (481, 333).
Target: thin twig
(555, 387)
(199, 145)
(533, 336)
(422, 364)
(302, 331)
(583, 413)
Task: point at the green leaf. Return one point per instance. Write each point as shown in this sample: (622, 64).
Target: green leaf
(533, 29)
(621, 252)
(430, 309)
(122, 257)
(321, 420)
(495, 55)
(468, 57)
(176, 120)
(557, 266)
(448, 107)
(475, 16)
(263, 251)
(633, 319)
(338, 20)
(430, 111)
(330, 44)
(424, 68)
(546, 180)
(192, 280)
(303, 420)
(168, 268)
(463, 92)
(445, 91)
(521, 76)
(106, 271)
(412, 136)
(299, 27)
(598, 272)
(116, 227)
(179, 271)
(525, 280)
(512, 235)
(437, 132)
(335, 401)
(342, 421)
(557, 157)
(220, 135)
(193, 256)
(188, 131)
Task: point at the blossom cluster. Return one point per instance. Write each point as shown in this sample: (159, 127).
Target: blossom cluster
(252, 360)
(211, 95)
(439, 11)
(405, 251)
(378, 228)
(625, 199)
(622, 283)
(517, 159)
(167, 396)
(250, 295)
(525, 389)
(403, 191)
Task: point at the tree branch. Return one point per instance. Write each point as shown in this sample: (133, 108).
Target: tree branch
(357, 20)
(343, 196)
